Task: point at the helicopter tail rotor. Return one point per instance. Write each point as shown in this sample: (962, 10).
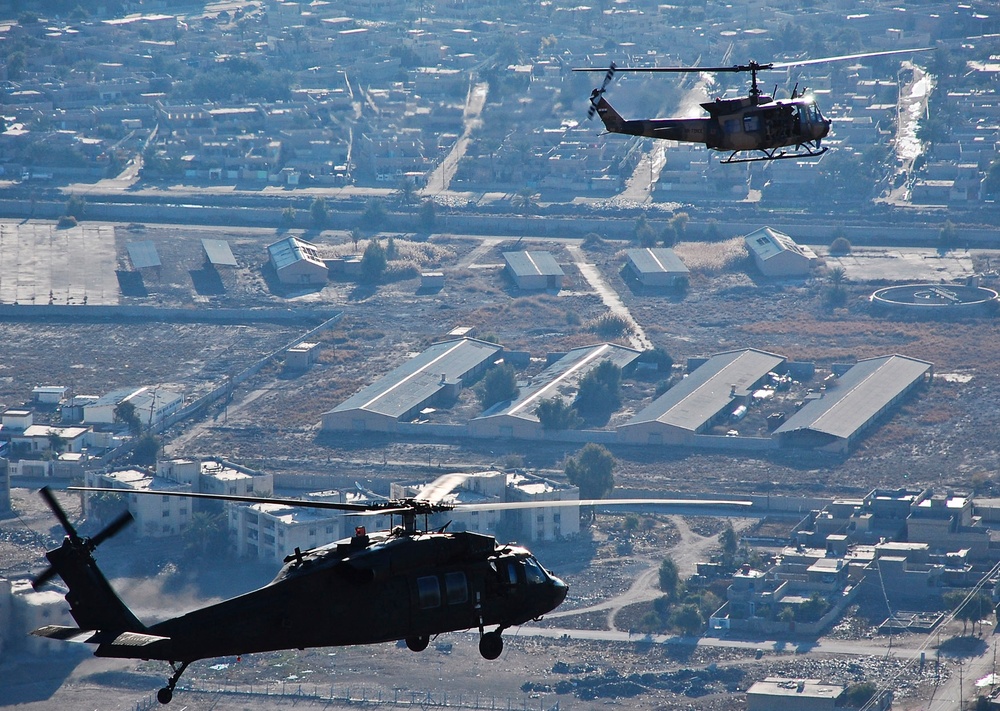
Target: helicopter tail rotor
(93, 603)
(596, 94)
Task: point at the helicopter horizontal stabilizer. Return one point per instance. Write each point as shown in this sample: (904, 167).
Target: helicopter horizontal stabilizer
(80, 636)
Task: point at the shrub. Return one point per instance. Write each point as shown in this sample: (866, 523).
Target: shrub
(841, 245)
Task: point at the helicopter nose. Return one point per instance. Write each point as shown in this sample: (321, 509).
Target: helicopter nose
(559, 591)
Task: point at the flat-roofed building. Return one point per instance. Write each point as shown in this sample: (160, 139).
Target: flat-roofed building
(43, 438)
(155, 516)
(781, 694)
(532, 271)
(269, 532)
(518, 419)
(853, 402)
(656, 267)
(297, 261)
(778, 255)
(49, 394)
(437, 374)
(697, 402)
(543, 523)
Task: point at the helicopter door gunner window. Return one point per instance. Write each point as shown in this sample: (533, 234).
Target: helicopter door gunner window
(429, 592)
(751, 123)
(456, 589)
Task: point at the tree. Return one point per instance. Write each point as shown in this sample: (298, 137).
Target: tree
(319, 212)
(644, 234)
(406, 192)
(427, 215)
(592, 470)
(206, 532)
(498, 385)
(973, 609)
(730, 544)
(356, 236)
(373, 262)
(56, 441)
(600, 390)
(374, 216)
(687, 618)
(554, 414)
(125, 412)
(76, 206)
(146, 449)
(840, 245)
(670, 579)
(858, 695)
(288, 215)
(525, 201)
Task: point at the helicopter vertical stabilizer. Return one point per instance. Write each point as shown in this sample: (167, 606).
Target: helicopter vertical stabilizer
(92, 601)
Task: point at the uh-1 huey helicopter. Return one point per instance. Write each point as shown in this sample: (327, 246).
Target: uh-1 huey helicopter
(756, 123)
(400, 584)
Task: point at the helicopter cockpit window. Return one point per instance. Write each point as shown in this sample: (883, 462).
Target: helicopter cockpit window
(456, 589)
(429, 592)
(533, 572)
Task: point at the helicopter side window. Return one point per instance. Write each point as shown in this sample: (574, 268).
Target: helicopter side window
(512, 578)
(429, 592)
(456, 588)
(751, 124)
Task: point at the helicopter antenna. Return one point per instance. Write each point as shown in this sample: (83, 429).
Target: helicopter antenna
(597, 93)
(795, 91)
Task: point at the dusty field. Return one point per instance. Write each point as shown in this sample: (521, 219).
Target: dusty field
(943, 436)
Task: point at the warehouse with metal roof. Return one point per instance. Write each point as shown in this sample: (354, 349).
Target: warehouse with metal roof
(297, 261)
(656, 267)
(711, 392)
(534, 270)
(778, 255)
(517, 419)
(852, 403)
(437, 374)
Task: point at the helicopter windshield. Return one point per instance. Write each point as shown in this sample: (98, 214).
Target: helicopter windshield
(533, 572)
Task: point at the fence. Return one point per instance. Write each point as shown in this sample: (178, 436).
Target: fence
(354, 695)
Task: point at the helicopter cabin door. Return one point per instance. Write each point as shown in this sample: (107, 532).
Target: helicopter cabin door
(443, 601)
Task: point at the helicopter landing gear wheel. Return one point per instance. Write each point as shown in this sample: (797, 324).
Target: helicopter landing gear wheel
(417, 644)
(165, 694)
(491, 645)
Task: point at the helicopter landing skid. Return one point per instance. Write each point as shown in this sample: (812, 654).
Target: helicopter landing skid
(806, 152)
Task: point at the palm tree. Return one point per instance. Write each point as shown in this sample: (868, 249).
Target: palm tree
(524, 201)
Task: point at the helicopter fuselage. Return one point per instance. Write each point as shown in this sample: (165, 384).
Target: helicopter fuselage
(733, 125)
(379, 588)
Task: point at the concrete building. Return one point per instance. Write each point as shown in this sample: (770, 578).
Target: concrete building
(533, 271)
(269, 532)
(49, 394)
(297, 261)
(4, 490)
(706, 396)
(301, 356)
(43, 438)
(16, 420)
(437, 374)
(213, 476)
(155, 516)
(152, 405)
(518, 419)
(781, 694)
(852, 403)
(656, 267)
(777, 255)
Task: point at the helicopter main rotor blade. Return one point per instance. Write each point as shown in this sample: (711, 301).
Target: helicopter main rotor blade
(60, 514)
(513, 505)
(845, 57)
(336, 506)
(442, 486)
(736, 68)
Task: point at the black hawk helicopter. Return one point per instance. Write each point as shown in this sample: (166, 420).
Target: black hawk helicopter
(400, 584)
(754, 123)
